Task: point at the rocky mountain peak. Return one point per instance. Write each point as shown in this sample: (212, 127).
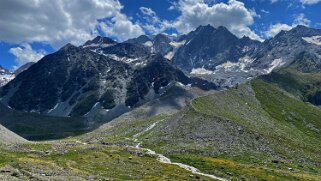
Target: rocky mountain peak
(67, 47)
(205, 28)
(99, 42)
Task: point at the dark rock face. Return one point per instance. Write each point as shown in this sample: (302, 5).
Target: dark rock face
(23, 68)
(307, 62)
(127, 50)
(99, 41)
(208, 47)
(70, 75)
(157, 74)
(286, 46)
(139, 40)
(76, 80)
(161, 44)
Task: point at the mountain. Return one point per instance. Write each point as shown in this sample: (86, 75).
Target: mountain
(98, 42)
(285, 46)
(102, 82)
(164, 45)
(5, 76)
(234, 134)
(231, 61)
(108, 77)
(207, 47)
(23, 68)
(219, 56)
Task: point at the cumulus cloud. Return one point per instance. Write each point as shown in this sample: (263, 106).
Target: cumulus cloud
(152, 23)
(233, 15)
(277, 28)
(25, 54)
(59, 22)
(121, 28)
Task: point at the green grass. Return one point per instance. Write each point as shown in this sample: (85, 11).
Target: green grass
(245, 169)
(126, 130)
(94, 161)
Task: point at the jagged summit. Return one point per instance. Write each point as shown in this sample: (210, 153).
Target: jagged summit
(99, 42)
(67, 47)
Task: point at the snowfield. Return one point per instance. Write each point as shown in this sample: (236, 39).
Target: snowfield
(316, 40)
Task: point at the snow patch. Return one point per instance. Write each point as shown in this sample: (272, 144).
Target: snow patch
(275, 64)
(148, 44)
(5, 78)
(102, 45)
(55, 107)
(241, 65)
(175, 44)
(201, 71)
(169, 55)
(316, 40)
(95, 105)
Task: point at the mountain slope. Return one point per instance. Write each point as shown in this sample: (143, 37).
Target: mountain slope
(23, 68)
(263, 129)
(255, 131)
(8, 137)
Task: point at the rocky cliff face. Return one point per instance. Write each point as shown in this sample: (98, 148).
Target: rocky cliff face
(108, 80)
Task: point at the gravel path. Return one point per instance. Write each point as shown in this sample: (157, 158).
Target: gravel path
(163, 159)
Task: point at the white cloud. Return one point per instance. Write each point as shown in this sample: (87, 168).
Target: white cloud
(277, 28)
(60, 21)
(301, 20)
(233, 15)
(152, 23)
(25, 54)
(309, 2)
(121, 28)
(265, 11)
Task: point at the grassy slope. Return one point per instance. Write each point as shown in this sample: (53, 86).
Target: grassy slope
(88, 162)
(286, 134)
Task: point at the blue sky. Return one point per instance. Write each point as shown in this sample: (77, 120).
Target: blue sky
(30, 30)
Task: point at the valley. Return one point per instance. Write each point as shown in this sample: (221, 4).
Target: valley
(152, 108)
